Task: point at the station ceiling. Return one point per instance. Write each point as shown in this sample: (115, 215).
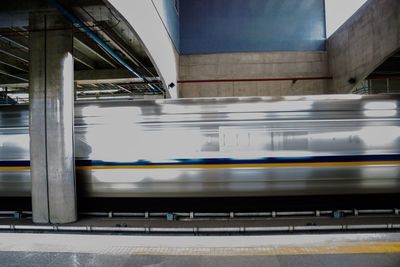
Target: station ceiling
(97, 72)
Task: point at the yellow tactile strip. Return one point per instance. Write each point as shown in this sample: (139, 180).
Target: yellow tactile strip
(346, 248)
(203, 245)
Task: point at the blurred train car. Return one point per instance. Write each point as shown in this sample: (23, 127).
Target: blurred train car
(221, 147)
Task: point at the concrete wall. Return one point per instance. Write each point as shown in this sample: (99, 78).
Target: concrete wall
(253, 65)
(222, 26)
(226, 26)
(363, 43)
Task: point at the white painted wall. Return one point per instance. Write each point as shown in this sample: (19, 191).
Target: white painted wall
(144, 19)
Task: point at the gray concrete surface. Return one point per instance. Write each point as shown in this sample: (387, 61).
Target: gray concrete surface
(253, 65)
(51, 119)
(186, 245)
(358, 47)
(276, 250)
(364, 42)
(86, 259)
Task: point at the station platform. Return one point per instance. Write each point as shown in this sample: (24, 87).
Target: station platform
(59, 249)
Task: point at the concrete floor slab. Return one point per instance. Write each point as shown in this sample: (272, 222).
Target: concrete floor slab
(295, 244)
(88, 259)
(27, 249)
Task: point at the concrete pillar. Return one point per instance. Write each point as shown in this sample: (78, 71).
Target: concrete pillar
(51, 89)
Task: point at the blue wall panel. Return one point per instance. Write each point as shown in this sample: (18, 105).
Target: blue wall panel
(224, 26)
(166, 10)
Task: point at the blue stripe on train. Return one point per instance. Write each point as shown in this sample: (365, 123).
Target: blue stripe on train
(14, 163)
(213, 161)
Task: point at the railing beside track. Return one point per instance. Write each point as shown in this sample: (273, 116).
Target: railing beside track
(20, 225)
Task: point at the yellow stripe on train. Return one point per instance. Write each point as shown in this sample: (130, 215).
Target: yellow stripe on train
(251, 165)
(212, 166)
(15, 168)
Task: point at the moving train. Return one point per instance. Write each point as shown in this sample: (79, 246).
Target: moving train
(221, 147)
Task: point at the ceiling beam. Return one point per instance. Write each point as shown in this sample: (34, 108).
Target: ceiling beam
(16, 37)
(84, 77)
(85, 60)
(14, 63)
(82, 42)
(7, 72)
(6, 81)
(118, 42)
(93, 11)
(105, 74)
(9, 49)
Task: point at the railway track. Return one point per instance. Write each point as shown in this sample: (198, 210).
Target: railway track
(205, 223)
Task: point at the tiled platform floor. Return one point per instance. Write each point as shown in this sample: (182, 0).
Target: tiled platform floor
(24, 249)
(89, 259)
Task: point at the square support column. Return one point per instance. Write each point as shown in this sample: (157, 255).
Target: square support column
(51, 79)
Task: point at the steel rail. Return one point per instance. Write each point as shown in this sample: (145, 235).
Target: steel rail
(199, 230)
(226, 215)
